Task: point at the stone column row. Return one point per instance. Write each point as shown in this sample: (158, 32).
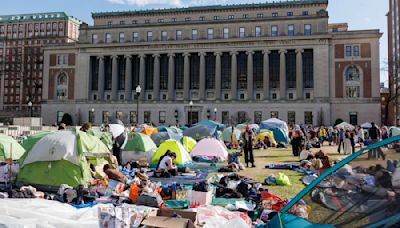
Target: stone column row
(202, 89)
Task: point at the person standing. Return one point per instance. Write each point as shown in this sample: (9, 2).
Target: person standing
(375, 135)
(247, 138)
(340, 139)
(347, 144)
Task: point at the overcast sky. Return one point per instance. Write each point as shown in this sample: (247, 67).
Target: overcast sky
(360, 14)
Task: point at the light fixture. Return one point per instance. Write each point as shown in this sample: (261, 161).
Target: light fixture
(138, 89)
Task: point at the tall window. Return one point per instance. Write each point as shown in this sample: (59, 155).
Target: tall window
(257, 117)
(162, 117)
(274, 69)
(291, 69)
(352, 77)
(274, 114)
(308, 118)
(210, 71)
(348, 51)
(106, 116)
(356, 51)
(164, 36)
(226, 63)
(258, 69)
(194, 71)
(242, 117)
(226, 33)
(135, 71)
(194, 34)
(107, 73)
(149, 36)
(95, 38)
(118, 115)
(121, 73)
(62, 87)
(121, 37)
(147, 117)
(108, 38)
(210, 33)
(225, 117)
(132, 117)
(258, 31)
(290, 30)
(307, 30)
(291, 117)
(179, 71)
(242, 32)
(149, 72)
(308, 68)
(242, 70)
(164, 72)
(94, 72)
(274, 30)
(353, 118)
(135, 37)
(179, 35)
(60, 115)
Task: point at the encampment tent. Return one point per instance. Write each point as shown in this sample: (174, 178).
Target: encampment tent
(210, 147)
(254, 127)
(345, 126)
(188, 143)
(394, 131)
(182, 156)
(211, 123)
(278, 127)
(160, 137)
(139, 146)
(149, 131)
(10, 148)
(227, 135)
(269, 134)
(349, 203)
(199, 132)
(105, 137)
(61, 158)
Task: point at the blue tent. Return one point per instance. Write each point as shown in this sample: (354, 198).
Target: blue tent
(199, 132)
(278, 127)
(341, 207)
(210, 123)
(161, 137)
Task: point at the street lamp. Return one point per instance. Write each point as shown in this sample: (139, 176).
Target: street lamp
(190, 116)
(91, 116)
(30, 107)
(215, 114)
(138, 90)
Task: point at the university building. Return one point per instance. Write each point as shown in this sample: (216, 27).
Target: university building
(232, 63)
(22, 39)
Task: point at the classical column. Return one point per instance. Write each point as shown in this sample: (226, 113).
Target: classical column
(114, 78)
(202, 77)
(186, 77)
(101, 80)
(234, 75)
(299, 73)
(156, 77)
(217, 75)
(266, 74)
(128, 77)
(142, 74)
(282, 75)
(250, 75)
(171, 76)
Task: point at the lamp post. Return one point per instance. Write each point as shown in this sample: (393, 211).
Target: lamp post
(215, 114)
(30, 108)
(138, 90)
(190, 116)
(91, 116)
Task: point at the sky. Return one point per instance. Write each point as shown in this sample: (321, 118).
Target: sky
(359, 14)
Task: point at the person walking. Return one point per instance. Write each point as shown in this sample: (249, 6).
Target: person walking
(375, 135)
(247, 139)
(341, 134)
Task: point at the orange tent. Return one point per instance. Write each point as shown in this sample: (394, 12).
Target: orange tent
(149, 131)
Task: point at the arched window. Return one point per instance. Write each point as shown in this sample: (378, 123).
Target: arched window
(62, 86)
(352, 83)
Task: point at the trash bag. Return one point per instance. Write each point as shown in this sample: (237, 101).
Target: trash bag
(283, 180)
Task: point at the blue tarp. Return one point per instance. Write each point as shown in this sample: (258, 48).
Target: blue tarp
(161, 137)
(210, 123)
(199, 132)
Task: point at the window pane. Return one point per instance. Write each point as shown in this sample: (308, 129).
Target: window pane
(290, 30)
(132, 117)
(348, 51)
(147, 117)
(274, 30)
(162, 117)
(308, 118)
(356, 51)
(225, 118)
(291, 117)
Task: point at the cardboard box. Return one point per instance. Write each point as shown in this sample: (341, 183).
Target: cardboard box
(164, 219)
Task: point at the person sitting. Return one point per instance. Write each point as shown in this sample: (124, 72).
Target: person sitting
(166, 166)
(61, 126)
(305, 154)
(259, 144)
(114, 174)
(234, 159)
(267, 143)
(86, 127)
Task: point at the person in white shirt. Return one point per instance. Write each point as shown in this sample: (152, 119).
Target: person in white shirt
(305, 154)
(166, 163)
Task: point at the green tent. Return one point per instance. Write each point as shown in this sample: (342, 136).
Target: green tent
(61, 157)
(182, 156)
(227, 135)
(188, 143)
(138, 147)
(105, 137)
(8, 144)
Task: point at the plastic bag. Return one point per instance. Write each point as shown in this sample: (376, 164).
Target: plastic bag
(283, 180)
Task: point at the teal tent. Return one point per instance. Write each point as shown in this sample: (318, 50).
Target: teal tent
(211, 123)
(227, 135)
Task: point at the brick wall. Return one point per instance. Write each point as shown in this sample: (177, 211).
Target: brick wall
(339, 51)
(366, 50)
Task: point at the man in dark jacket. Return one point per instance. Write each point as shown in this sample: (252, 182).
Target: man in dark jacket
(247, 138)
(375, 135)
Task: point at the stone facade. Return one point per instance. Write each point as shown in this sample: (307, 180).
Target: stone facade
(236, 63)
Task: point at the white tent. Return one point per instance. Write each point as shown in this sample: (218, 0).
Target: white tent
(210, 147)
(345, 126)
